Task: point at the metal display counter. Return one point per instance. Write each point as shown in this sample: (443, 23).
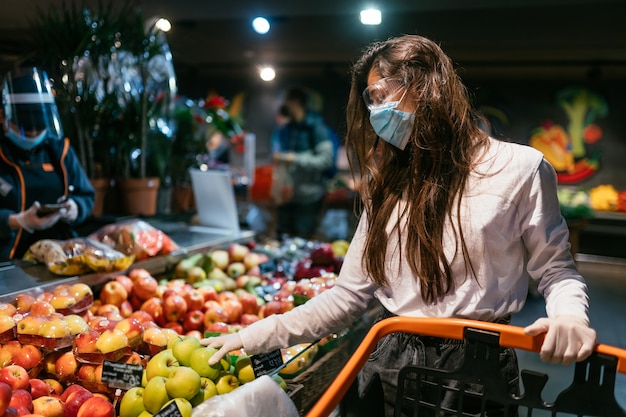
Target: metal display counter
(19, 276)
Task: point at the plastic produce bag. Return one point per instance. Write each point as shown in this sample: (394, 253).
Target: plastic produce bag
(135, 237)
(77, 256)
(261, 397)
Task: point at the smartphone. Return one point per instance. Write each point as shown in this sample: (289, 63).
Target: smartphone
(48, 209)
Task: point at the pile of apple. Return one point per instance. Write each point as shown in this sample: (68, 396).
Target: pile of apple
(182, 374)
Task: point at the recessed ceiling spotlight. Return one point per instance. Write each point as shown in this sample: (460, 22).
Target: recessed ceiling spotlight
(267, 73)
(163, 24)
(261, 25)
(371, 17)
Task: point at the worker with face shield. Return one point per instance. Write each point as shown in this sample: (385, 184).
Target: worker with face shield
(44, 190)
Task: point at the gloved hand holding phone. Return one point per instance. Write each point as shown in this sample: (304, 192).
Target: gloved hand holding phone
(33, 219)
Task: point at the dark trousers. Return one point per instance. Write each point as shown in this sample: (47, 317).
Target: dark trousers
(296, 219)
(397, 350)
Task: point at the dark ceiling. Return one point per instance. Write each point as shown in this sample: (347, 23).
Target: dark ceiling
(214, 38)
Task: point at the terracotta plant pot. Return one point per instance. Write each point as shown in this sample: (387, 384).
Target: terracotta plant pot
(139, 195)
(102, 187)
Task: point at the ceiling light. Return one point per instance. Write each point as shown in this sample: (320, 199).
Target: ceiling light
(261, 25)
(267, 73)
(371, 17)
(163, 24)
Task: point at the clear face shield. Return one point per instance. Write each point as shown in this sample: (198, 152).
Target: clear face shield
(30, 114)
(381, 92)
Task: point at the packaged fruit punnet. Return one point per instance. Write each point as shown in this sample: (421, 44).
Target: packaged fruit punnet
(301, 363)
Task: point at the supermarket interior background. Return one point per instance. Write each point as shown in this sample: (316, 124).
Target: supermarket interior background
(516, 57)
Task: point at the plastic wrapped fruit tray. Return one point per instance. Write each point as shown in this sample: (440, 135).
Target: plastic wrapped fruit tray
(97, 358)
(79, 307)
(50, 343)
(8, 335)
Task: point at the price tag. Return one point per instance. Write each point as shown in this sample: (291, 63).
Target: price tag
(121, 375)
(267, 267)
(171, 410)
(265, 363)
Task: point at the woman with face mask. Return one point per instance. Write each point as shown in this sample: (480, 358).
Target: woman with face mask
(455, 224)
(44, 191)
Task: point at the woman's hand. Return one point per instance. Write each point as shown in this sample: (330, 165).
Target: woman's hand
(69, 212)
(224, 344)
(30, 221)
(568, 339)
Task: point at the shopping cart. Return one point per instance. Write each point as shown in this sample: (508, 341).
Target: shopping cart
(591, 392)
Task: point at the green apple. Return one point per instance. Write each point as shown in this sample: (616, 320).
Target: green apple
(280, 381)
(184, 406)
(182, 348)
(144, 378)
(199, 362)
(145, 413)
(183, 382)
(155, 394)
(132, 403)
(243, 369)
(207, 390)
(161, 364)
(226, 383)
(111, 340)
(225, 362)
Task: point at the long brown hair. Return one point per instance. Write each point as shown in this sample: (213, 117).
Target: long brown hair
(429, 175)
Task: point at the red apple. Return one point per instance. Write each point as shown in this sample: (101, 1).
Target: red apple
(132, 328)
(175, 326)
(194, 333)
(7, 309)
(126, 282)
(141, 315)
(154, 307)
(194, 320)
(41, 308)
(251, 259)
(48, 406)
(248, 302)
(145, 287)
(233, 309)
(217, 327)
(86, 342)
(28, 356)
(5, 397)
(126, 309)
(209, 293)
(16, 376)
(113, 292)
(87, 372)
(55, 386)
(21, 400)
(74, 401)
(194, 299)
(23, 302)
(213, 312)
(271, 307)
(96, 407)
(66, 365)
(248, 319)
(137, 273)
(174, 308)
(237, 251)
(39, 388)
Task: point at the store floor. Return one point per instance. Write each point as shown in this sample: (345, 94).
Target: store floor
(606, 279)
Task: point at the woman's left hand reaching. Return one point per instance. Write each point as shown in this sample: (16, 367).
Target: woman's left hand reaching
(69, 213)
(568, 339)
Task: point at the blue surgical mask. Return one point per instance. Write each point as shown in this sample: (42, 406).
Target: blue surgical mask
(392, 125)
(24, 142)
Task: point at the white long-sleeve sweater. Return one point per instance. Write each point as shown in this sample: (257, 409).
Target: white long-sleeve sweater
(514, 232)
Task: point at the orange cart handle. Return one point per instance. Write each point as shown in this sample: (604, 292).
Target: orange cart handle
(510, 336)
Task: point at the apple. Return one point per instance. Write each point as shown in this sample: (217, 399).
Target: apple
(155, 394)
(182, 348)
(126, 282)
(199, 362)
(30, 324)
(175, 327)
(96, 406)
(21, 400)
(28, 356)
(280, 381)
(235, 269)
(145, 287)
(76, 324)
(48, 406)
(195, 333)
(207, 390)
(237, 251)
(132, 328)
(136, 273)
(218, 327)
(248, 319)
(23, 302)
(100, 324)
(111, 340)
(220, 258)
(39, 388)
(16, 376)
(107, 310)
(271, 307)
(62, 301)
(233, 309)
(161, 364)
(183, 405)
(7, 309)
(195, 274)
(155, 336)
(5, 397)
(214, 312)
(226, 383)
(54, 328)
(55, 386)
(113, 292)
(183, 382)
(194, 299)
(209, 293)
(154, 307)
(81, 291)
(75, 400)
(86, 342)
(87, 372)
(243, 369)
(141, 316)
(41, 308)
(194, 320)
(66, 365)
(98, 373)
(174, 308)
(249, 303)
(126, 309)
(132, 402)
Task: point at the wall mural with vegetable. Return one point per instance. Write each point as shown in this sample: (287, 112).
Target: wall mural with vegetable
(573, 149)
